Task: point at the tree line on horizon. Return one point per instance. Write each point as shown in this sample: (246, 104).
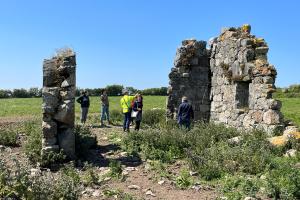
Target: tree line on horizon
(112, 90)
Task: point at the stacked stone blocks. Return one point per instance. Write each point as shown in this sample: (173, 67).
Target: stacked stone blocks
(59, 85)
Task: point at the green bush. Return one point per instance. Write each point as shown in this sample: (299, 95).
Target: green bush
(8, 138)
(116, 116)
(84, 141)
(283, 178)
(19, 184)
(153, 117)
(33, 146)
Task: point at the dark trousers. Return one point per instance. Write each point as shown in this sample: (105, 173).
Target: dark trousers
(185, 124)
(137, 125)
(127, 118)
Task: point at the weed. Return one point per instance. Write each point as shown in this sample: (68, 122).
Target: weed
(8, 138)
(184, 180)
(115, 169)
(84, 141)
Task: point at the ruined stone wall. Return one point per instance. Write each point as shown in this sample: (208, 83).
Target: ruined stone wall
(243, 82)
(238, 78)
(59, 85)
(190, 77)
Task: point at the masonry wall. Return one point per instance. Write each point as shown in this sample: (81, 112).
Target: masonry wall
(243, 82)
(59, 84)
(190, 77)
(232, 83)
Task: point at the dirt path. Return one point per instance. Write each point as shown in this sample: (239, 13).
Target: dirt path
(143, 182)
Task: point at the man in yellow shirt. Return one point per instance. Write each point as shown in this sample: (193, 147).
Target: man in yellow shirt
(126, 109)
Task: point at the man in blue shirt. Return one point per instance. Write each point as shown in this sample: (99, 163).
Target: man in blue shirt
(185, 114)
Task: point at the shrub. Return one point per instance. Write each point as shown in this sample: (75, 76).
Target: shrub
(19, 184)
(33, 144)
(283, 178)
(116, 116)
(184, 180)
(84, 141)
(115, 169)
(153, 117)
(8, 138)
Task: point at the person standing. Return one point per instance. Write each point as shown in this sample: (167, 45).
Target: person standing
(126, 109)
(138, 107)
(185, 114)
(105, 107)
(84, 101)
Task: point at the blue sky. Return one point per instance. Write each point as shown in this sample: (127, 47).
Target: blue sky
(133, 42)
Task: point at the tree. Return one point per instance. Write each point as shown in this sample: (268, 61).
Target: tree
(114, 90)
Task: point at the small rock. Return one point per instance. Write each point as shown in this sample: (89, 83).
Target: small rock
(125, 173)
(96, 193)
(161, 182)
(250, 198)
(235, 140)
(193, 173)
(130, 169)
(134, 187)
(123, 154)
(107, 178)
(149, 192)
(2, 147)
(291, 153)
(35, 172)
(297, 165)
(197, 187)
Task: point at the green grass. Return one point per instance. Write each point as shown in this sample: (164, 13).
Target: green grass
(291, 109)
(32, 106)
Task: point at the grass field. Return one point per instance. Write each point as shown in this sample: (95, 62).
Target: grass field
(32, 106)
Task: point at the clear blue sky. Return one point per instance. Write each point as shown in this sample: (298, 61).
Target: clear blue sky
(133, 42)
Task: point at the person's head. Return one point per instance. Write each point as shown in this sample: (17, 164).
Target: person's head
(104, 91)
(83, 92)
(125, 92)
(184, 99)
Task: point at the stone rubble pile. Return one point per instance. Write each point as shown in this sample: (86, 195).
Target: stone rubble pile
(59, 85)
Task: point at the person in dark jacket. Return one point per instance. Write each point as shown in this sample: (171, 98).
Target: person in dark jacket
(185, 114)
(84, 101)
(138, 107)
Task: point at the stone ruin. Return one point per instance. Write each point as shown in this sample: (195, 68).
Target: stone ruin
(231, 82)
(59, 85)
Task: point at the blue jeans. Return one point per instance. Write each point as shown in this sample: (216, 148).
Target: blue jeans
(104, 113)
(127, 118)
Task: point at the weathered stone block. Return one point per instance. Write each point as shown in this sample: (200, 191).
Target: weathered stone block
(66, 141)
(66, 113)
(49, 129)
(272, 117)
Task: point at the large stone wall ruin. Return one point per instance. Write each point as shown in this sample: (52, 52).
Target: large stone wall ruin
(240, 82)
(59, 85)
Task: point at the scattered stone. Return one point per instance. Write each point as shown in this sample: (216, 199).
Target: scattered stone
(291, 153)
(249, 198)
(2, 148)
(134, 187)
(35, 172)
(193, 173)
(130, 169)
(149, 192)
(297, 165)
(161, 182)
(197, 187)
(96, 193)
(107, 178)
(235, 140)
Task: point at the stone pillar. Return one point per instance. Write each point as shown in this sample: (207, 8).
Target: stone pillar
(190, 77)
(59, 85)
